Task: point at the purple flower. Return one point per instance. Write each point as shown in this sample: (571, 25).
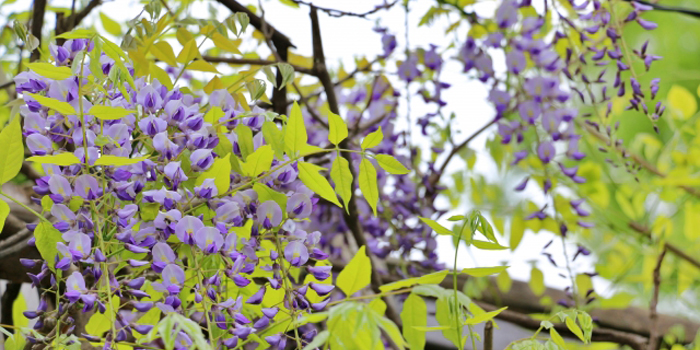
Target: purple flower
(186, 227)
(546, 152)
(296, 253)
(269, 214)
(75, 286)
(201, 159)
(209, 239)
(162, 256)
(299, 206)
(86, 186)
(173, 279)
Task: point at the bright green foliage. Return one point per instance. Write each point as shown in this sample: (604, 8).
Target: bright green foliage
(259, 161)
(118, 161)
(356, 274)
(414, 314)
(295, 134)
(62, 159)
(13, 155)
(46, 239)
(484, 271)
(337, 129)
(390, 164)
(109, 113)
(342, 177)
(368, 184)
(309, 175)
(373, 139)
(220, 171)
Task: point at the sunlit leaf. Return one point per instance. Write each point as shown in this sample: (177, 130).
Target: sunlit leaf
(368, 184)
(356, 274)
(484, 271)
(62, 159)
(13, 154)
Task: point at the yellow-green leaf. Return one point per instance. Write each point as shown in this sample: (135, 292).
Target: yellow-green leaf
(517, 230)
(273, 137)
(109, 113)
(265, 194)
(259, 161)
(681, 100)
(189, 52)
(556, 338)
(225, 43)
(46, 239)
(439, 229)
(342, 177)
(373, 139)
(164, 52)
(432, 278)
(414, 314)
(50, 71)
(162, 76)
(484, 271)
(78, 34)
(220, 171)
(390, 164)
(202, 66)
(13, 154)
(484, 317)
(488, 245)
(62, 159)
(337, 129)
(118, 161)
(356, 274)
(4, 212)
(308, 173)
(59, 106)
(368, 184)
(574, 328)
(537, 281)
(295, 135)
(110, 25)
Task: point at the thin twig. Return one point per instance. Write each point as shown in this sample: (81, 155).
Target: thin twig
(37, 25)
(659, 7)
(340, 13)
(667, 246)
(654, 334)
(488, 335)
(254, 62)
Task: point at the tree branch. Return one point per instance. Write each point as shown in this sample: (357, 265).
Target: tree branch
(351, 216)
(37, 24)
(66, 24)
(659, 7)
(340, 13)
(667, 246)
(654, 334)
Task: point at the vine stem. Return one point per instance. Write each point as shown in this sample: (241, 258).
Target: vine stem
(41, 217)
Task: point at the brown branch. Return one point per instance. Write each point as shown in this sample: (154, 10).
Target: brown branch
(634, 341)
(257, 22)
(654, 334)
(66, 24)
(351, 216)
(340, 13)
(37, 25)
(253, 62)
(667, 246)
(488, 335)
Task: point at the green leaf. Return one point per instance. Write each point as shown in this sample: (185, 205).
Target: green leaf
(225, 43)
(48, 70)
(414, 314)
(373, 139)
(439, 229)
(308, 173)
(259, 161)
(47, 238)
(487, 245)
(109, 113)
(432, 278)
(59, 106)
(273, 137)
(682, 101)
(62, 159)
(556, 338)
(202, 66)
(392, 331)
(110, 25)
(446, 315)
(220, 171)
(78, 34)
(356, 274)
(265, 194)
(337, 129)
(4, 212)
(431, 290)
(13, 155)
(517, 230)
(368, 184)
(245, 140)
(189, 52)
(342, 177)
(164, 52)
(214, 115)
(118, 161)
(537, 281)
(295, 136)
(390, 164)
(574, 328)
(486, 316)
(484, 271)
